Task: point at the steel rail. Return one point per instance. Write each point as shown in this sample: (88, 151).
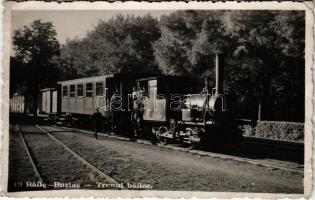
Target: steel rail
(270, 141)
(92, 167)
(209, 154)
(30, 157)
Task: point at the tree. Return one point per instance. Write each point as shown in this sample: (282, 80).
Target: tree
(121, 44)
(16, 76)
(189, 40)
(269, 46)
(35, 46)
(288, 86)
(264, 55)
(211, 40)
(74, 59)
(172, 50)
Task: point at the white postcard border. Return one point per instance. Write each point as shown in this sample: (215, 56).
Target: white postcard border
(309, 49)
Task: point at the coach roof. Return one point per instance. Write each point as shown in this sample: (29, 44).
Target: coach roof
(164, 78)
(47, 89)
(86, 79)
(116, 75)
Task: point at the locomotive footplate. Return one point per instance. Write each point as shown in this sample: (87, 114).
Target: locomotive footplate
(196, 123)
(181, 132)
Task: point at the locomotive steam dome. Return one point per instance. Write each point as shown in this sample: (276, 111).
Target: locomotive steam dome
(216, 103)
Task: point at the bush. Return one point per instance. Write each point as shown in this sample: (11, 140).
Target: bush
(246, 129)
(275, 130)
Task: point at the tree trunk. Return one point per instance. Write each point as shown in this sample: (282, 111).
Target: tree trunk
(259, 110)
(25, 105)
(266, 98)
(35, 106)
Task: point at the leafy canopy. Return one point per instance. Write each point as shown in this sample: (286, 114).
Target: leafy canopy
(35, 47)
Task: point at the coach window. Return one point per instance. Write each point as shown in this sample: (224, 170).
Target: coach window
(152, 88)
(65, 91)
(80, 90)
(72, 90)
(89, 90)
(99, 88)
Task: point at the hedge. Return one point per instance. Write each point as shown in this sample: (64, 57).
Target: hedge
(275, 130)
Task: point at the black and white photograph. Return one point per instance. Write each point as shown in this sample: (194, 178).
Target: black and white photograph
(200, 100)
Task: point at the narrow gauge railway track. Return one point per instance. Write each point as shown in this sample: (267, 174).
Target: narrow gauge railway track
(57, 166)
(274, 143)
(284, 150)
(21, 167)
(269, 163)
(39, 177)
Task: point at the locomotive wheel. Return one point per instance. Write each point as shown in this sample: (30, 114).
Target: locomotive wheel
(163, 140)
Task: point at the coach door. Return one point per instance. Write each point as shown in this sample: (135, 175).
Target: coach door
(110, 89)
(100, 101)
(54, 101)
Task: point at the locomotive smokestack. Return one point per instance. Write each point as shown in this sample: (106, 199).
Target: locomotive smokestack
(218, 75)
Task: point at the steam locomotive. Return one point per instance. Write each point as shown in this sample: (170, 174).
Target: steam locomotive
(162, 108)
(205, 118)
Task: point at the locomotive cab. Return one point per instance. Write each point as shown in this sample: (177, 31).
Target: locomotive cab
(152, 102)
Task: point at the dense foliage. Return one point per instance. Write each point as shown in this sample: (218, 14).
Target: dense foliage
(33, 67)
(263, 53)
(268, 63)
(121, 44)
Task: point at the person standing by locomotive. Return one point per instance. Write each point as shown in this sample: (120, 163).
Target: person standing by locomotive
(137, 112)
(137, 95)
(114, 110)
(205, 89)
(97, 121)
(134, 97)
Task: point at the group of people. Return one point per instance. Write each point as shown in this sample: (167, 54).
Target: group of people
(97, 117)
(137, 96)
(137, 111)
(136, 115)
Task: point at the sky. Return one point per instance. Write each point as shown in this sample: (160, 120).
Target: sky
(71, 24)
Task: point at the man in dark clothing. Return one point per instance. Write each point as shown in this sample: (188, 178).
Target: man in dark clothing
(116, 97)
(97, 121)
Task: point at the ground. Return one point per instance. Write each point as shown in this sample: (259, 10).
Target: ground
(166, 169)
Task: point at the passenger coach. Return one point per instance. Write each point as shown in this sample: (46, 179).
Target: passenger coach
(49, 101)
(80, 98)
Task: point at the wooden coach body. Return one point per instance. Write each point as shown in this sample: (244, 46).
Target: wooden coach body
(82, 96)
(49, 101)
(78, 95)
